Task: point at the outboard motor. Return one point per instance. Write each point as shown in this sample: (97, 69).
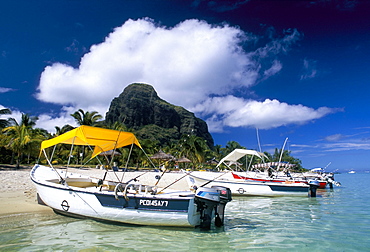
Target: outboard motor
(207, 200)
(225, 197)
(314, 184)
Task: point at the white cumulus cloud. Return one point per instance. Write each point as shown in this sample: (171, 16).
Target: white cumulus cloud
(237, 112)
(187, 65)
(49, 122)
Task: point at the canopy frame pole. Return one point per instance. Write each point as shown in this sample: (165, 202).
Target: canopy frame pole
(281, 154)
(164, 188)
(126, 165)
(91, 158)
(129, 155)
(134, 179)
(51, 166)
(70, 153)
(228, 166)
(148, 158)
(163, 171)
(111, 161)
(259, 146)
(114, 150)
(246, 163)
(52, 154)
(250, 163)
(211, 180)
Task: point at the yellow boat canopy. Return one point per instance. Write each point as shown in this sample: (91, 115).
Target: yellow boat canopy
(102, 139)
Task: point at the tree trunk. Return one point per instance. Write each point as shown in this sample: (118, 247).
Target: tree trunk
(12, 160)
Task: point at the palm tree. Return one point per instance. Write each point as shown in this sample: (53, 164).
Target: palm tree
(286, 157)
(61, 151)
(3, 122)
(86, 118)
(37, 136)
(218, 152)
(118, 126)
(232, 145)
(194, 148)
(59, 131)
(20, 136)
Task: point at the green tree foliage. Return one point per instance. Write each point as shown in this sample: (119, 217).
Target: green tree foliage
(87, 118)
(59, 131)
(5, 154)
(286, 157)
(194, 148)
(3, 122)
(21, 138)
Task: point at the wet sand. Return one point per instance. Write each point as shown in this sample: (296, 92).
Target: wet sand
(18, 194)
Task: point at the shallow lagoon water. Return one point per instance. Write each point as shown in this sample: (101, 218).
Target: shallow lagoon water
(337, 220)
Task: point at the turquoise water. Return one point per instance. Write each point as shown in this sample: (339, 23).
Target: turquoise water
(337, 220)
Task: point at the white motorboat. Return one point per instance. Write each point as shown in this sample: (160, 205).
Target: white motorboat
(126, 202)
(276, 172)
(240, 187)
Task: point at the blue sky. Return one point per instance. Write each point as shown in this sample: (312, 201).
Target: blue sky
(292, 69)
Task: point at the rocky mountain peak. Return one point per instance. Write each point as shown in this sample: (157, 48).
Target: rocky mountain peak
(140, 108)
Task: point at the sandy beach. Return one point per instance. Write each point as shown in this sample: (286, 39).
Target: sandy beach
(18, 194)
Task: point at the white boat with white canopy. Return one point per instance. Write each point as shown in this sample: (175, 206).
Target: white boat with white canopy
(233, 157)
(250, 187)
(127, 202)
(267, 171)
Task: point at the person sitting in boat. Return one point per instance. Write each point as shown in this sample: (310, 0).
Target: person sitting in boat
(269, 172)
(288, 174)
(115, 166)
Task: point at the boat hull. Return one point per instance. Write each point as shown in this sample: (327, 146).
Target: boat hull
(246, 188)
(322, 184)
(167, 209)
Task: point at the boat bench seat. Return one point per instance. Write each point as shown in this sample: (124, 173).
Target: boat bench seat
(76, 182)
